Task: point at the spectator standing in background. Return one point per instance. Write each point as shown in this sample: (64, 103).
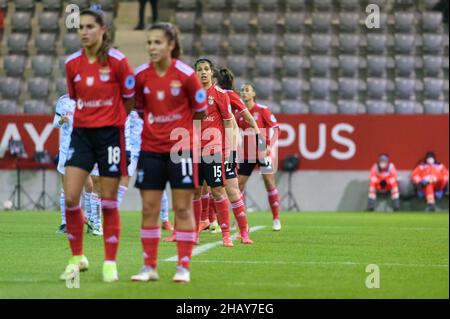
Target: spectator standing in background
(142, 4)
(383, 178)
(430, 178)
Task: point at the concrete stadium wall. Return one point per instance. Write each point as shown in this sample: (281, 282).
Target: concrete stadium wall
(313, 191)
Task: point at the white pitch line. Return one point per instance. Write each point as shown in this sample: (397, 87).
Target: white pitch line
(201, 249)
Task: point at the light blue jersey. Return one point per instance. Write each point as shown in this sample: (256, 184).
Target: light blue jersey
(64, 106)
(133, 131)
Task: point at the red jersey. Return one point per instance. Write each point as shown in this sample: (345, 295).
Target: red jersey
(265, 121)
(237, 105)
(99, 90)
(433, 173)
(213, 129)
(168, 103)
(377, 174)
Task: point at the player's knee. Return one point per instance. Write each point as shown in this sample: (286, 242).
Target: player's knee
(149, 209)
(182, 213)
(233, 194)
(218, 193)
(71, 201)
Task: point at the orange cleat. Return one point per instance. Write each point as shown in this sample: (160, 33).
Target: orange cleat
(167, 226)
(245, 239)
(204, 224)
(227, 242)
(170, 238)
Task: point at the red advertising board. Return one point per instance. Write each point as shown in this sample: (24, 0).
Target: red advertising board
(332, 142)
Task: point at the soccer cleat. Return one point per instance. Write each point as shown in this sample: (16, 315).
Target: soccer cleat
(396, 204)
(276, 225)
(430, 208)
(166, 225)
(182, 275)
(110, 273)
(98, 230)
(62, 229)
(371, 204)
(170, 239)
(245, 239)
(89, 226)
(214, 228)
(147, 273)
(76, 265)
(204, 224)
(227, 242)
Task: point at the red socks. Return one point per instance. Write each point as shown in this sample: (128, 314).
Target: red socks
(212, 209)
(205, 206)
(150, 239)
(274, 203)
(240, 215)
(223, 215)
(75, 228)
(111, 228)
(185, 241)
(197, 212)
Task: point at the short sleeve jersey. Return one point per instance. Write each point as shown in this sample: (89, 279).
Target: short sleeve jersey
(168, 104)
(98, 90)
(237, 105)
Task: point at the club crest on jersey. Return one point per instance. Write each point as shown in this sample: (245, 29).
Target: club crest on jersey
(90, 81)
(210, 100)
(104, 74)
(130, 82)
(150, 118)
(175, 87)
(80, 104)
(160, 95)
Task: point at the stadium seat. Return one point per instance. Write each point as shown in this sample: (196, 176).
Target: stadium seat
(323, 5)
(322, 107)
(61, 87)
(238, 43)
(14, 65)
(8, 107)
(238, 64)
(62, 65)
(320, 65)
(212, 21)
(377, 65)
(187, 5)
(266, 43)
(404, 21)
(4, 6)
(293, 43)
(405, 65)
(292, 88)
(52, 5)
(108, 5)
(293, 64)
(49, 22)
(376, 43)
(294, 21)
(17, 43)
(294, 107)
(321, 21)
(431, 21)
(21, 22)
(432, 43)
(216, 5)
(349, 21)
(185, 21)
(433, 88)
(348, 88)
(295, 5)
(321, 43)
(241, 5)
(264, 87)
(211, 43)
(46, 43)
(239, 22)
(35, 107)
(377, 87)
(71, 43)
(10, 88)
(405, 88)
(404, 43)
(187, 42)
(349, 43)
(239, 81)
(268, 5)
(189, 60)
(348, 64)
(42, 65)
(265, 65)
(349, 5)
(267, 21)
(434, 107)
(321, 88)
(379, 107)
(38, 87)
(432, 65)
(429, 4)
(273, 106)
(350, 107)
(24, 5)
(407, 107)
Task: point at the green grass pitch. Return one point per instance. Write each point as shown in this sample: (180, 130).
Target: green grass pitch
(316, 255)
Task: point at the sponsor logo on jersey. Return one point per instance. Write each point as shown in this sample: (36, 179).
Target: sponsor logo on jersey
(164, 118)
(209, 118)
(113, 168)
(104, 74)
(210, 100)
(186, 180)
(94, 103)
(90, 81)
(200, 96)
(175, 87)
(160, 95)
(77, 78)
(130, 82)
(146, 90)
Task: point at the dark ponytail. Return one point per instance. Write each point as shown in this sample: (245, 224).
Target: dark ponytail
(99, 16)
(225, 79)
(172, 34)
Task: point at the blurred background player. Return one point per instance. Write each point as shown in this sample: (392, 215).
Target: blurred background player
(154, 7)
(383, 178)
(63, 120)
(430, 178)
(101, 82)
(170, 96)
(268, 124)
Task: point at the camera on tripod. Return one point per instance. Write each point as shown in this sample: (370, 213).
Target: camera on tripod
(17, 149)
(291, 163)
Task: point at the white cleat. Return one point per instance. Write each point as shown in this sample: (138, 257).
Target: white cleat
(97, 231)
(110, 273)
(71, 272)
(276, 225)
(182, 275)
(147, 273)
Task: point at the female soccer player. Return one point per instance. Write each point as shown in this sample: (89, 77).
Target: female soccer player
(267, 121)
(171, 97)
(101, 82)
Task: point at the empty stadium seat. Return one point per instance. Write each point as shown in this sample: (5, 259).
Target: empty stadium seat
(274, 107)
(211, 43)
(212, 21)
(268, 5)
(377, 65)
(45, 43)
(21, 22)
(295, 5)
(294, 21)
(323, 5)
(433, 88)
(52, 5)
(239, 21)
(429, 4)
(349, 5)
(71, 43)
(350, 107)
(293, 43)
(321, 21)
(405, 88)
(82, 4)
(265, 65)
(292, 88)
(49, 22)
(267, 21)
(321, 43)
(187, 42)
(241, 5)
(348, 88)
(238, 64)
(349, 21)
(35, 107)
(404, 43)
(10, 88)
(349, 43)
(377, 87)
(61, 87)
(322, 107)
(405, 65)
(379, 107)
(18, 43)
(216, 5)
(14, 65)
(320, 65)
(24, 5)
(62, 65)
(293, 64)
(432, 65)
(432, 43)
(42, 65)
(376, 43)
(431, 21)
(185, 21)
(38, 87)
(321, 88)
(404, 21)
(238, 43)
(8, 107)
(348, 64)
(264, 87)
(434, 107)
(294, 107)
(407, 107)
(266, 43)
